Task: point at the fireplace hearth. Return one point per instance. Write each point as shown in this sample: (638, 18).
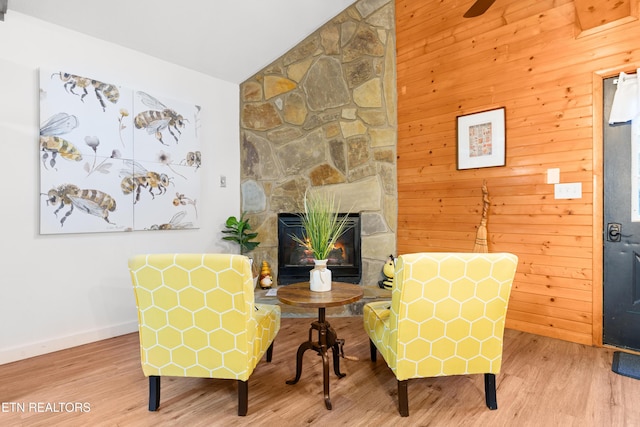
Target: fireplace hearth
(295, 262)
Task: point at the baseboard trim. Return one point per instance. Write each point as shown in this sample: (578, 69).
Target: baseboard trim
(61, 343)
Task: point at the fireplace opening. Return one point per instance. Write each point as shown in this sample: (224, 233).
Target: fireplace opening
(295, 262)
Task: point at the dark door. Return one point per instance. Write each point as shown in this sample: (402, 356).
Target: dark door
(621, 304)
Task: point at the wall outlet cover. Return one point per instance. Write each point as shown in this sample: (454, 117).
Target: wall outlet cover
(570, 190)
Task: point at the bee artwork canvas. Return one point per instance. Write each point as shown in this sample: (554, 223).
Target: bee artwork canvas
(115, 159)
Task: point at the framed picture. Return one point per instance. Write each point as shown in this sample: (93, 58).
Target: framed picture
(481, 139)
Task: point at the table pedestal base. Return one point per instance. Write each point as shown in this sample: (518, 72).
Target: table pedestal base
(327, 338)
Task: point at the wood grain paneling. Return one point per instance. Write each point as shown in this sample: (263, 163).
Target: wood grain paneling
(529, 58)
(594, 13)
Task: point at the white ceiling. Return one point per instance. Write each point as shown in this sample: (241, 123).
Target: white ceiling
(230, 40)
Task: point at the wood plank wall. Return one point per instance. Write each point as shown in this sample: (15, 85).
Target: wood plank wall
(524, 56)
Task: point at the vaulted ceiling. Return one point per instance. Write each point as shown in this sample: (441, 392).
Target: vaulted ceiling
(230, 40)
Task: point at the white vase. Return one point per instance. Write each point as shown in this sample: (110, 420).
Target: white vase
(320, 276)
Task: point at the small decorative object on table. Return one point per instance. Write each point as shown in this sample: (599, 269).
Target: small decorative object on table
(265, 279)
(322, 226)
(320, 276)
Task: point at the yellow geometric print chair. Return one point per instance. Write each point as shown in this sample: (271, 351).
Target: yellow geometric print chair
(197, 318)
(446, 317)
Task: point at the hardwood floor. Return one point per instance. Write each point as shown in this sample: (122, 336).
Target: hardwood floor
(544, 382)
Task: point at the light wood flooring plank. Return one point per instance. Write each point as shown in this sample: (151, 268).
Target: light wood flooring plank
(544, 382)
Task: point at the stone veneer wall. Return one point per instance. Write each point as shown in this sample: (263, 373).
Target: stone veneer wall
(324, 115)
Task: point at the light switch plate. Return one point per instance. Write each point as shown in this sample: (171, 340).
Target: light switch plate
(553, 176)
(570, 190)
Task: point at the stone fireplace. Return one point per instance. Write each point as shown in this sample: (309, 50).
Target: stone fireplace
(324, 116)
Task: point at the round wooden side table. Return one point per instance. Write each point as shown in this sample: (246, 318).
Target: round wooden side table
(299, 294)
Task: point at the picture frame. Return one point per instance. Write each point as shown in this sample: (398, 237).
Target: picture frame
(481, 141)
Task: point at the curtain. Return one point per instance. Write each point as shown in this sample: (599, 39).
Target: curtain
(625, 100)
(625, 108)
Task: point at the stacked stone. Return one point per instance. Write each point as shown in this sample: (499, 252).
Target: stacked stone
(324, 115)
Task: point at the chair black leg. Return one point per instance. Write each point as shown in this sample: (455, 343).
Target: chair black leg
(154, 392)
(243, 397)
(490, 391)
(270, 352)
(373, 350)
(403, 398)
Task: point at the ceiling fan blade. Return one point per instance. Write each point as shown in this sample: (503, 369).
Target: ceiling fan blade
(478, 8)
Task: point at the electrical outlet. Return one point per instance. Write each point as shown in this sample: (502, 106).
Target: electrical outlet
(570, 190)
(223, 181)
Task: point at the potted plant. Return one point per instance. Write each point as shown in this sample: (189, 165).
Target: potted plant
(239, 231)
(322, 226)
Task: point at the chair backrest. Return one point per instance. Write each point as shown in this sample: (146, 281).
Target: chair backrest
(195, 314)
(448, 312)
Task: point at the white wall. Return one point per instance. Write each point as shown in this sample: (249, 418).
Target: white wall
(58, 291)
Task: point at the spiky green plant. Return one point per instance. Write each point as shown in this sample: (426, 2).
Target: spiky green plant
(322, 225)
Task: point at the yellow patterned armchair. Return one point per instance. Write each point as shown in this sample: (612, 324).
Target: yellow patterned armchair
(446, 317)
(197, 318)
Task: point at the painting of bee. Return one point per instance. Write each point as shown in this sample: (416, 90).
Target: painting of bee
(158, 119)
(175, 223)
(193, 158)
(51, 142)
(101, 143)
(102, 90)
(138, 177)
(93, 202)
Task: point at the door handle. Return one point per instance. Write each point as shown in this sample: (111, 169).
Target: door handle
(614, 232)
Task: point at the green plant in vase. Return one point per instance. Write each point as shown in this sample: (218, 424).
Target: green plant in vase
(322, 226)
